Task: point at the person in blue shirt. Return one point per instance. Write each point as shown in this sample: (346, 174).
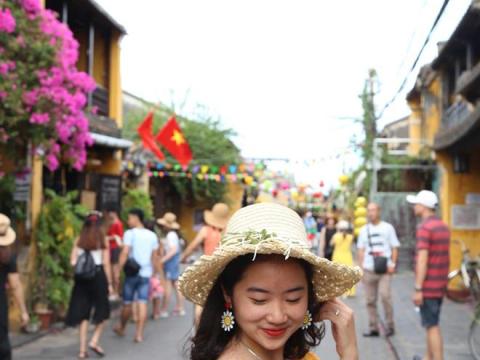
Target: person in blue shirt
(142, 245)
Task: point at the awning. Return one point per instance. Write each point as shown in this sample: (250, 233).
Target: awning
(111, 141)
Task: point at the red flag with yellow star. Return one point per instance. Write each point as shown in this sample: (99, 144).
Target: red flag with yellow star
(146, 134)
(172, 138)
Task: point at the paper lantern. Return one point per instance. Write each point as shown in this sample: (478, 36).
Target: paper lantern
(185, 167)
(223, 170)
(204, 169)
(196, 169)
(248, 180)
(200, 177)
(360, 212)
(233, 169)
(343, 179)
(361, 202)
(356, 231)
(360, 221)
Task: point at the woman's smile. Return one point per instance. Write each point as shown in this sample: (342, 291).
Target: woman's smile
(275, 333)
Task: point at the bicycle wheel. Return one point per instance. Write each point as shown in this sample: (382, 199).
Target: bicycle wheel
(475, 287)
(474, 339)
(456, 290)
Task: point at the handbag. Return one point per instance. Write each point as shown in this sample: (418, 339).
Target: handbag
(131, 267)
(380, 262)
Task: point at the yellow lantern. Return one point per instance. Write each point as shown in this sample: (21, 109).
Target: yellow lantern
(356, 231)
(343, 179)
(360, 212)
(361, 202)
(360, 221)
(249, 180)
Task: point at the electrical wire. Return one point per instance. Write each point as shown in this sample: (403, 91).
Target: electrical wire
(414, 65)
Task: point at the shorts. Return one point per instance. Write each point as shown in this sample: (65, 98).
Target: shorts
(156, 288)
(115, 255)
(172, 270)
(136, 285)
(430, 312)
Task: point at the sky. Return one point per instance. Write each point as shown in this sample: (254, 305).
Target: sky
(285, 75)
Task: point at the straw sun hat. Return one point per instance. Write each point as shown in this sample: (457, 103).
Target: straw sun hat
(7, 235)
(218, 216)
(169, 220)
(266, 228)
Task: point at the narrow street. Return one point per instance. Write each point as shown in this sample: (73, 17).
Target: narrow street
(165, 339)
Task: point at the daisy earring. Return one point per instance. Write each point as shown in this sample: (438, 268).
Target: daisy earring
(228, 320)
(307, 320)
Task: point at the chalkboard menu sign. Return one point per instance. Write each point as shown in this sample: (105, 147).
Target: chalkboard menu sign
(109, 193)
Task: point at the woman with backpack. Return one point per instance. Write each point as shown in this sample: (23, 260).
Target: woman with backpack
(90, 258)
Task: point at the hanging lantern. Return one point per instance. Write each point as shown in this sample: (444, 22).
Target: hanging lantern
(204, 169)
(343, 179)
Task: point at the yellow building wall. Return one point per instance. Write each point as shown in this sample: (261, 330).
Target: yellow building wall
(186, 216)
(100, 60)
(453, 189)
(433, 115)
(115, 84)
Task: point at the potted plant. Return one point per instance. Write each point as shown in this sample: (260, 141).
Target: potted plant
(59, 224)
(33, 326)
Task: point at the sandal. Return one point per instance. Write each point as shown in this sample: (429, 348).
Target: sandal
(97, 350)
(119, 331)
(83, 355)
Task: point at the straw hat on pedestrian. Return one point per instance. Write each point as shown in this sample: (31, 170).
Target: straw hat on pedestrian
(266, 228)
(7, 235)
(218, 216)
(169, 220)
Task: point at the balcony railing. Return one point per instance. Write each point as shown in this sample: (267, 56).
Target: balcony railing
(100, 100)
(455, 114)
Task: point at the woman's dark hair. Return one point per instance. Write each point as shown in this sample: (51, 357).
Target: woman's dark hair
(6, 253)
(92, 236)
(211, 340)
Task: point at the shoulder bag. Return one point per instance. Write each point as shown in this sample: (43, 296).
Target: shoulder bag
(131, 267)
(380, 263)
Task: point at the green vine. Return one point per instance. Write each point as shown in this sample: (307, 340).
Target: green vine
(59, 224)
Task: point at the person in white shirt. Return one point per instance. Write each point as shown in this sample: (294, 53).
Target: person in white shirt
(378, 239)
(140, 244)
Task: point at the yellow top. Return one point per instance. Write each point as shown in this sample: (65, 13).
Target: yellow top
(311, 356)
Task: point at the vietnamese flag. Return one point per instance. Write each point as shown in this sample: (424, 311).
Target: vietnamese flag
(146, 134)
(171, 136)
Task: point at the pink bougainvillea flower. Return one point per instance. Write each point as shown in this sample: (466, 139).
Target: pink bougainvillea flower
(39, 118)
(31, 6)
(3, 68)
(7, 21)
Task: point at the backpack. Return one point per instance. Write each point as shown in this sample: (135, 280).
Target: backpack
(85, 267)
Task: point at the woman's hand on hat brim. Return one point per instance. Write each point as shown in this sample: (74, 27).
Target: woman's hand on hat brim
(343, 327)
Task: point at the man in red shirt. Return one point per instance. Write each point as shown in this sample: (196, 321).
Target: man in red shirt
(115, 236)
(432, 266)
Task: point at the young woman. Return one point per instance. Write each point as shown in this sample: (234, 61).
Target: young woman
(8, 275)
(171, 264)
(91, 294)
(209, 235)
(325, 248)
(262, 291)
(342, 248)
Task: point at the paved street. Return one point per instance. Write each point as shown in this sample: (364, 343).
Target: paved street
(165, 339)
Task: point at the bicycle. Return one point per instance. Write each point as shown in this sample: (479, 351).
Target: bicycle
(464, 283)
